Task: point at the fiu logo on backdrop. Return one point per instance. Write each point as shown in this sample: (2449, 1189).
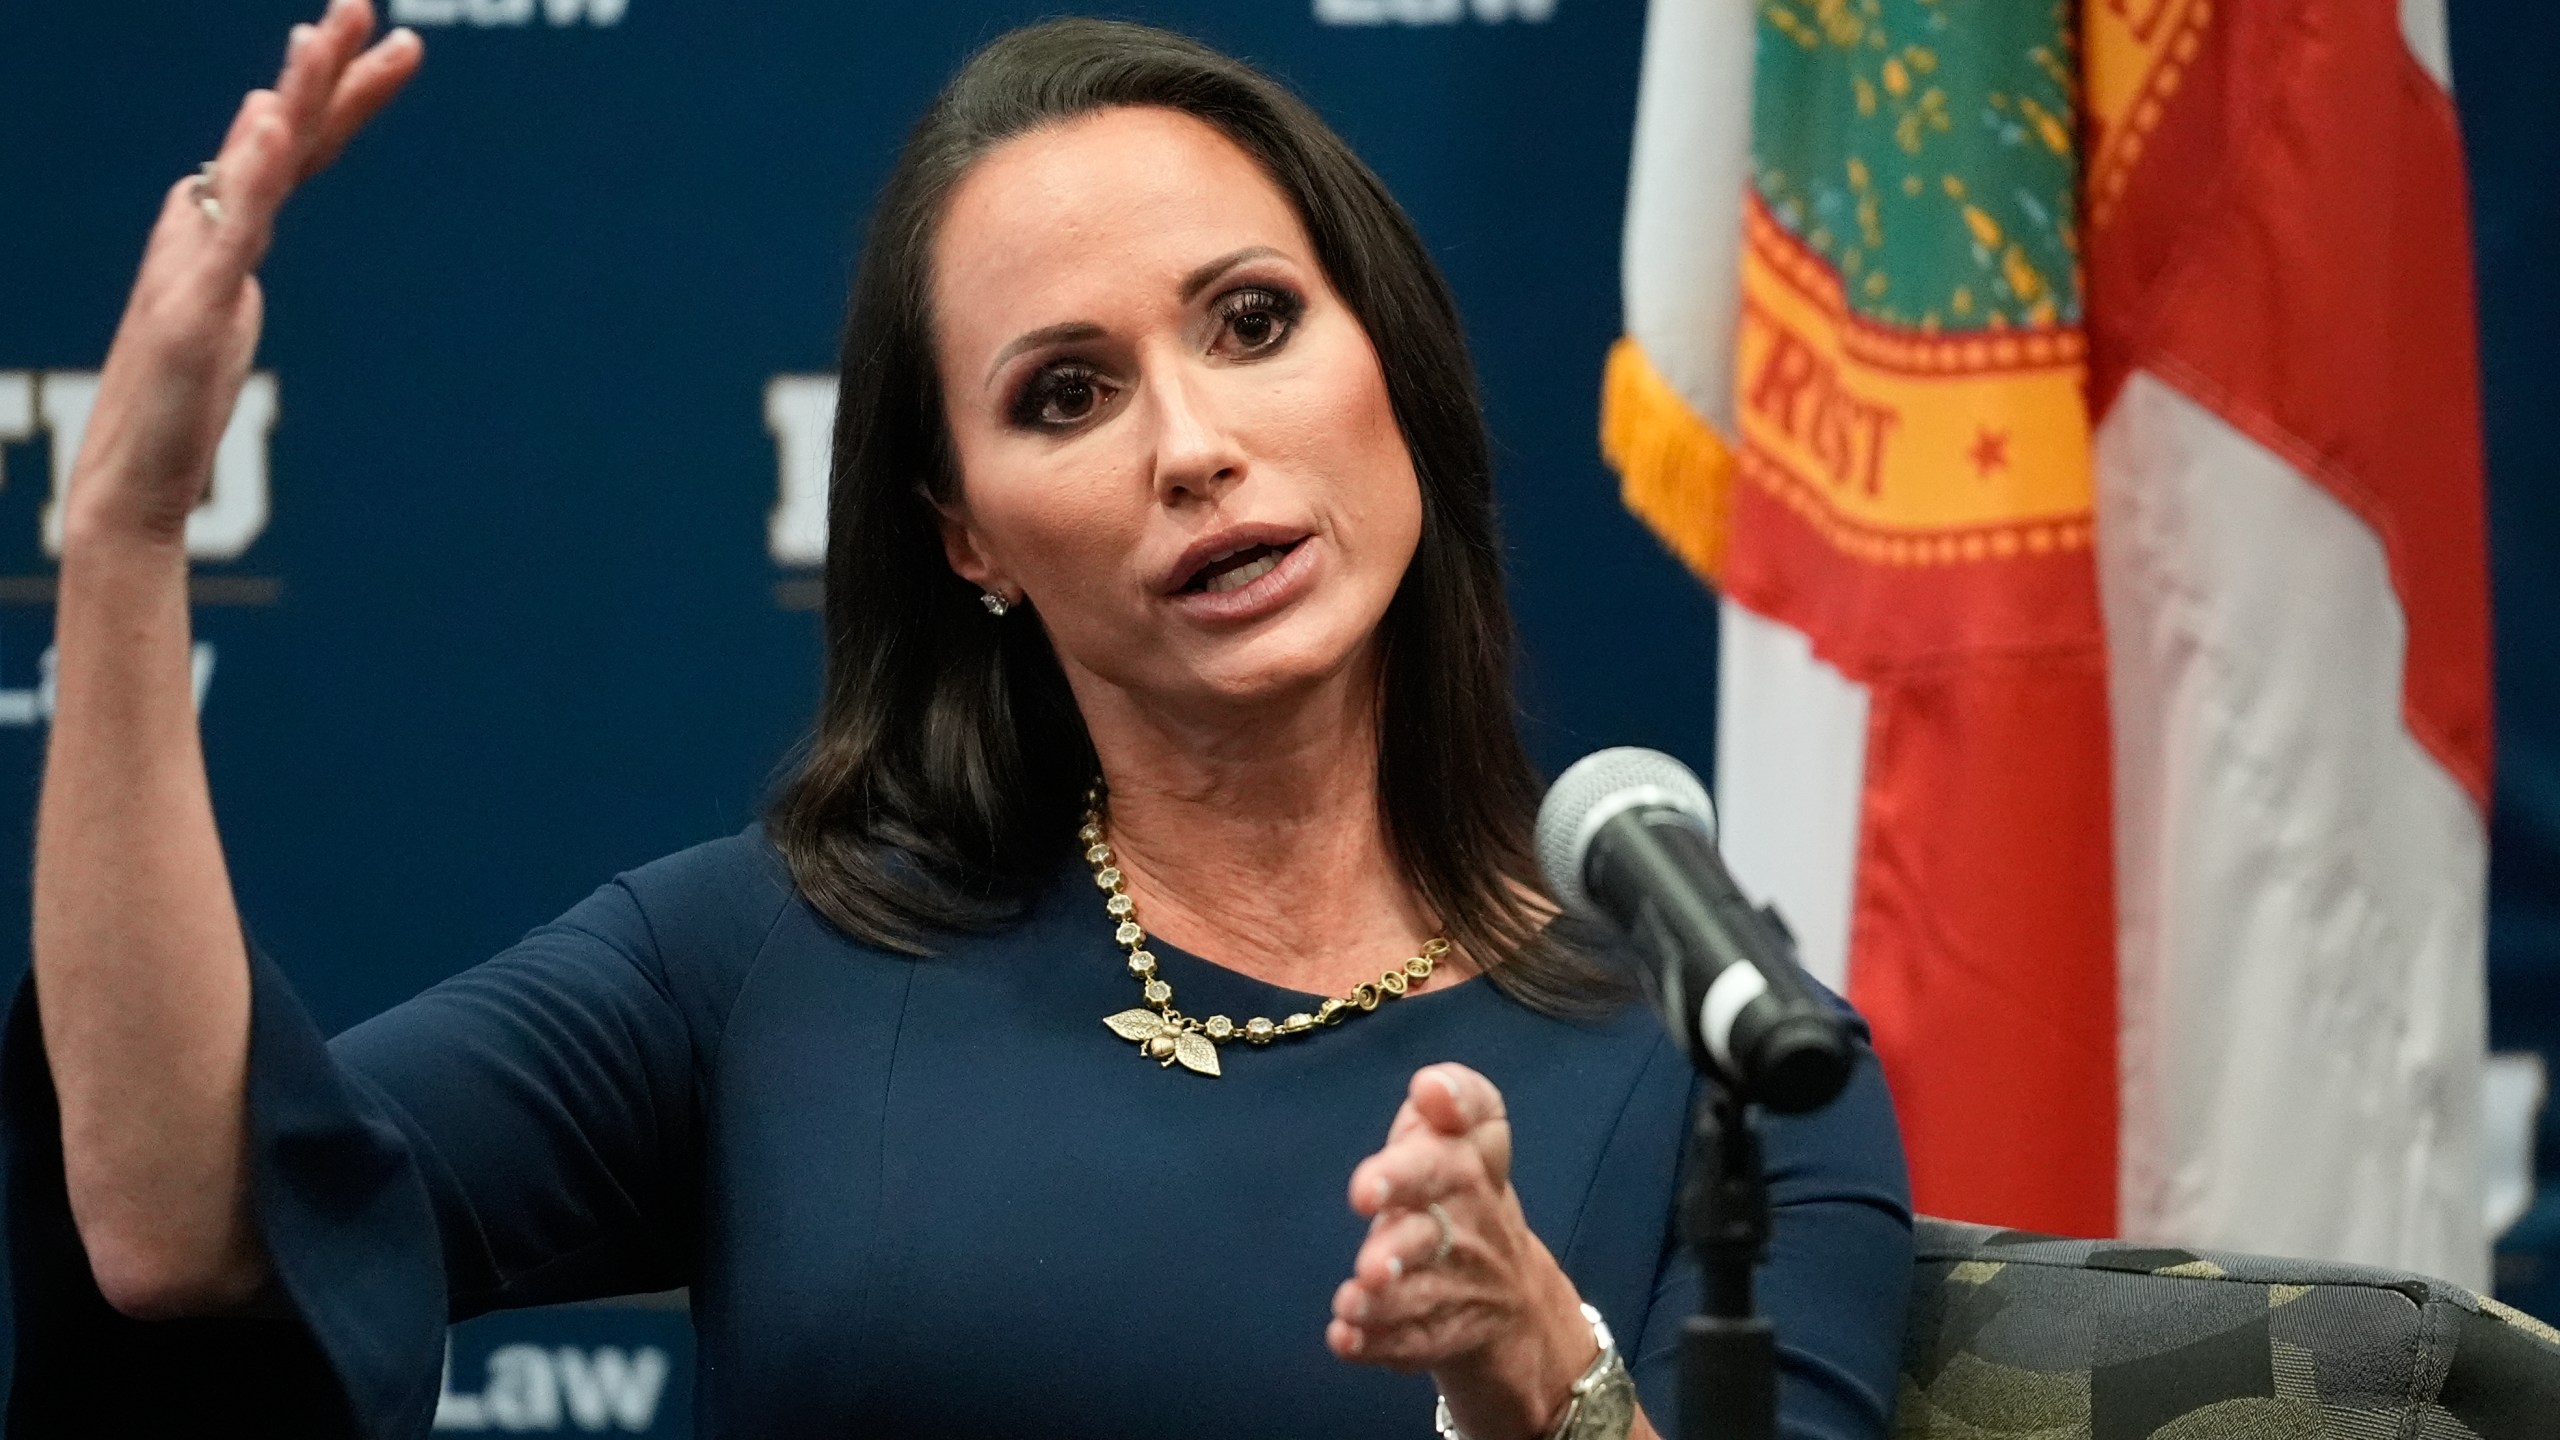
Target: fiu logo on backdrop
(1431, 12)
(499, 14)
(53, 405)
(800, 411)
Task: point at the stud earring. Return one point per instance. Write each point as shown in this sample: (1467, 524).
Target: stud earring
(996, 604)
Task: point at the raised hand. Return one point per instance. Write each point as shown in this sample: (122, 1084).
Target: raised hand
(136, 939)
(1451, 1279)
(191, 326)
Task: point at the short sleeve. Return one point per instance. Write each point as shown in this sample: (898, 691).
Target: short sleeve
(521, 1134)
(1837, 1280)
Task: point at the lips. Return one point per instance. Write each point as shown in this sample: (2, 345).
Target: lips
(1230, 560)
(1235, 571)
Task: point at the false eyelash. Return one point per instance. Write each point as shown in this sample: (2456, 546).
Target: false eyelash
(1282, 305)
(1037, 391)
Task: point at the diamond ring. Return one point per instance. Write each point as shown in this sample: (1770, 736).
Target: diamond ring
(207, 175)
(1448, 1233)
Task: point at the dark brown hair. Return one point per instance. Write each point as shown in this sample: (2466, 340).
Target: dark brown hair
(946, 776)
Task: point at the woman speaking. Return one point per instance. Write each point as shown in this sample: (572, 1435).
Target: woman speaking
(1138, 1015)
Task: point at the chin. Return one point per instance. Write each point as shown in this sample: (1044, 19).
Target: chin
(1285, 663)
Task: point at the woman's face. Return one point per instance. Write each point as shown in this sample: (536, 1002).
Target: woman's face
(1172, 434)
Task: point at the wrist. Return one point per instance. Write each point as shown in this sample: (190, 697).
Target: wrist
(121, 494)
(1518, 1387)
(97, 523)
(114, 573)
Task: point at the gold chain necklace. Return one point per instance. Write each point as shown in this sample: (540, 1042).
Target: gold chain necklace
(1166, 1035)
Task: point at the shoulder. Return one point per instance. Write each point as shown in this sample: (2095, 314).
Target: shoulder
(720, 895)
(707, 921)
(692, 923)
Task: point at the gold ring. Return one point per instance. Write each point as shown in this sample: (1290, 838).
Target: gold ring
(1448, 1233)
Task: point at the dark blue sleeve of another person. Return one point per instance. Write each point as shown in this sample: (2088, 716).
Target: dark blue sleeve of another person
(1837, 1280)
(518, 1135)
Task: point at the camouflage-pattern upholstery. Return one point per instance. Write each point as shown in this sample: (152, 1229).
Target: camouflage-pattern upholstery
(2020, 1335)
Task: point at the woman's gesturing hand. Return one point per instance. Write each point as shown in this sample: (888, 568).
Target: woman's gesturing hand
(191, 325)
(1490, 1314)
(136, 940)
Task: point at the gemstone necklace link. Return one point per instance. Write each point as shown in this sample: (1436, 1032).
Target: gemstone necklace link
(1166, 1035)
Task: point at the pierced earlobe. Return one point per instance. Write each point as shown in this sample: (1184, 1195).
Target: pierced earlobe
(996, 603)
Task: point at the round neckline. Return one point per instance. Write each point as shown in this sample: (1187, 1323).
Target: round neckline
(1077, 882)
(1306, 1000)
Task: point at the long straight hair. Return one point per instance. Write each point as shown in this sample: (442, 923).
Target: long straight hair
(947, 772)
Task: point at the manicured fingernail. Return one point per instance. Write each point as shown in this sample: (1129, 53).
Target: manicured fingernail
(1395, 1267)
(1360, 1306)
(296, 39)
(1378, 1190)
(1353, 1341)
(402, 36)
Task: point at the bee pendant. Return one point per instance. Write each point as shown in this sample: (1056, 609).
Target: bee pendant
(1164, 1042)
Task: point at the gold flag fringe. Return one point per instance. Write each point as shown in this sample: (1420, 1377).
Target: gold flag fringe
(1674, 471)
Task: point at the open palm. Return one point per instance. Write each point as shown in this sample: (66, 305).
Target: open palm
(191, 327)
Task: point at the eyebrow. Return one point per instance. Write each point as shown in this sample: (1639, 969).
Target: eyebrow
(1068, 333)
(1199, 280)
(1073, 331)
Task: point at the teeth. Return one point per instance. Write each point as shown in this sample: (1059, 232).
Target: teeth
(1243, 575)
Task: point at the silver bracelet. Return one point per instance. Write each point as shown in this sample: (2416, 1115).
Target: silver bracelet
(1601, 1406)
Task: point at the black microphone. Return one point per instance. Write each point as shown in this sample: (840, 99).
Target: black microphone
(1629, 835)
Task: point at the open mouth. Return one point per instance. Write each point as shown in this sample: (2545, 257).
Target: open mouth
(1237, 569)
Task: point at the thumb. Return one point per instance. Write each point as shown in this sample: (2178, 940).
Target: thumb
(1458, 1102)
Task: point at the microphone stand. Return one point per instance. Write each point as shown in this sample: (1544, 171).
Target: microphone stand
(1728, 1353)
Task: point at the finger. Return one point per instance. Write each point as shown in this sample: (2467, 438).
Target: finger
(1376, 1309)
(348, 22)
(1454, 1098)
(1423, 1343)
(1459, 1101)
(239, 147)
(1415, 1171)
(254, 174)
(180, 231)
(1354, 1303)
(251, 107)
(343, 29)
(1396, 1254)
(1409, 1120)
(368, 84)
(316, 58)
(294, 83)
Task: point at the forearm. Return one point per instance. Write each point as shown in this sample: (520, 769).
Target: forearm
(139, 963)
(140, 968)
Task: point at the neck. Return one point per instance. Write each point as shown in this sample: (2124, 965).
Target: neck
(1258, 839)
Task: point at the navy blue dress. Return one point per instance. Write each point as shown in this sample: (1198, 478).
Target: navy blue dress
(915, 1197)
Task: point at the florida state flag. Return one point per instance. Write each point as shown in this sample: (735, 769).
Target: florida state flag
(2075, 409)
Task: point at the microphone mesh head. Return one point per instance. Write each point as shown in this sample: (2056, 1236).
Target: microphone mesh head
(1595, 789)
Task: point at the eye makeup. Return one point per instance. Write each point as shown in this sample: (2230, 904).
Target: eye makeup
(1250, 322)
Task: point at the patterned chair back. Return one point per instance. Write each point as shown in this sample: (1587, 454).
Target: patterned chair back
(2014, 1334)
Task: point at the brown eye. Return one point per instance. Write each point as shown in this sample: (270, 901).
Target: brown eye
(1257, 320)
(1069, 399)
(1059, 397)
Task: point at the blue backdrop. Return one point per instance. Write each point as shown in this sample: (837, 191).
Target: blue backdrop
(513, 622)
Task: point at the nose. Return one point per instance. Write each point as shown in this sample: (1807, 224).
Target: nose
(1196, 454)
